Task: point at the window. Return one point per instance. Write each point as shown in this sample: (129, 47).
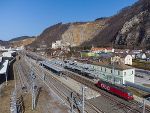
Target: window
(118, 72)
(132, 72)
(124, 73)
(111, 70)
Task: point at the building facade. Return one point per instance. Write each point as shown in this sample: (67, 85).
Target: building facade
(125, 59)
(102, 50)
(117, 74)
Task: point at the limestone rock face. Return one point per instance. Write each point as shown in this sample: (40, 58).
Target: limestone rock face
(135, 32)
(132, 22)
(130, 28)
(79, 33)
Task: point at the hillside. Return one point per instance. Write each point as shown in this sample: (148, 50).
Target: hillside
(3, 43)
(49, 35)
(21, 42)
(74, 33)
(21, 38)
(130, 28)
(79, 33)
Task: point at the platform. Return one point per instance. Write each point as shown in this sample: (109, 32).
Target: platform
(77, 87)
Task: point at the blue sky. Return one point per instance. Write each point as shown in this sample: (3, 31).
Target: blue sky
(31, 17)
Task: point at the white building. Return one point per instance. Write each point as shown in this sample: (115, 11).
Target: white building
(9, 54)
(20, 48)
(102, 50)
(118, 73)
(2, 48)
(141, 56)
(128, 60)
(125, 59)
(56, 45)
(61, 45)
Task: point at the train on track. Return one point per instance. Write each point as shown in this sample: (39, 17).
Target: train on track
(117, 90)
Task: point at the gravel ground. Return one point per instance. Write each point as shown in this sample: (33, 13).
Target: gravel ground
(5, 97)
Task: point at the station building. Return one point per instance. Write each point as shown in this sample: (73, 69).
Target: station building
(114, 72)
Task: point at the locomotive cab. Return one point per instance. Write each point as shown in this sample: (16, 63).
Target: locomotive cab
(130, 96)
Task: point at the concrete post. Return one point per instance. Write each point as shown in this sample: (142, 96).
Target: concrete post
(82, 99)
(71, 102)
(6, 77)
(143, 106)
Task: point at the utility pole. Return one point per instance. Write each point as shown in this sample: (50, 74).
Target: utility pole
(143, 106)
(6, 77)
(113, 77)
(33, 90)
(72, 102)
(83, 88)
(43, 73)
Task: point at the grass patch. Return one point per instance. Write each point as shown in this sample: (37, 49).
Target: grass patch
(141, 64)
(137, 92)
(147, 85)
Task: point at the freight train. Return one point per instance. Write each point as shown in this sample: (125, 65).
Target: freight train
(117, 90)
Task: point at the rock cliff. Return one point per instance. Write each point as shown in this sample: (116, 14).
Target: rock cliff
(79, 33)
(130, 28)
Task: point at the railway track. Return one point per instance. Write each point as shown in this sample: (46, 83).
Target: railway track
(121, 103)
(48, 82)
(20, 79)
(128, 106)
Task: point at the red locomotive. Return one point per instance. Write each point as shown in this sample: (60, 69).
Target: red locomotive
(115, 89)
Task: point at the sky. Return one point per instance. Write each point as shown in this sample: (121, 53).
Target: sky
(31, 17)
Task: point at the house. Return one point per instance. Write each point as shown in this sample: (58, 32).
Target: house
(2, 47)
(121, 51)
(110, 50)
(141, 56)
(147, 51)
(61, 45)
(56, 45)
(102, 50)
(136, 51)
(122, 58)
